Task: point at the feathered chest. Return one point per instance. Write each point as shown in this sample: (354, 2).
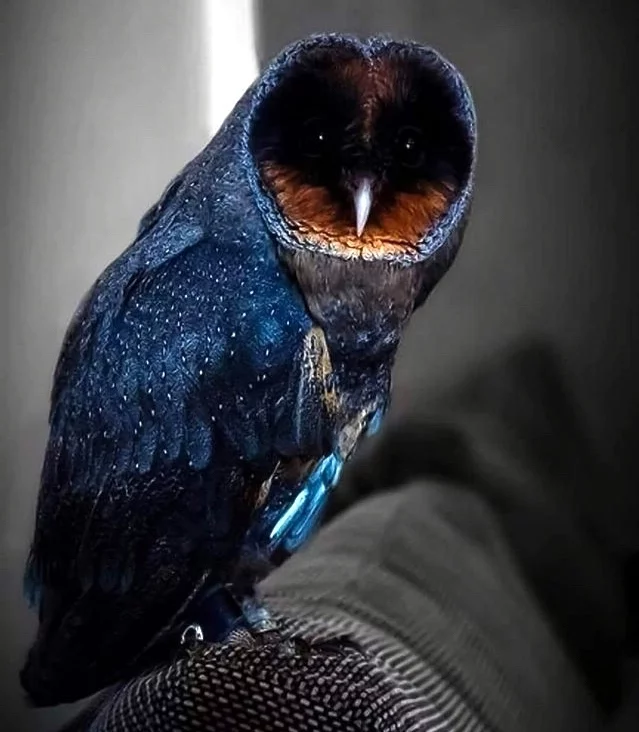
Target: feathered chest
(345, 403)
(358, 309)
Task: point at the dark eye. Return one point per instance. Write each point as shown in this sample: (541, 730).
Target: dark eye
(314, 139)
(409, 147)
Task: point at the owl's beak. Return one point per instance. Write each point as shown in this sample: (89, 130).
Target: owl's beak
(363, 200)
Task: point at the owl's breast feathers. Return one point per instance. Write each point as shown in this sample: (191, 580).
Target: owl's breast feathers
(291, 501)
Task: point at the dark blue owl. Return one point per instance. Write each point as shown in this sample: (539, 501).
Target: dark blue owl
(221, 371)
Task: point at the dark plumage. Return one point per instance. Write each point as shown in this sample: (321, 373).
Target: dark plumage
(223, 368)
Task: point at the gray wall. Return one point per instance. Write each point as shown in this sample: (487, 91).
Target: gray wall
(103, 101)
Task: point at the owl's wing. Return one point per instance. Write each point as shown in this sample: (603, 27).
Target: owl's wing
(175, 396)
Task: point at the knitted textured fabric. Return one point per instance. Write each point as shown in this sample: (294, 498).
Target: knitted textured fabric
(319, 681)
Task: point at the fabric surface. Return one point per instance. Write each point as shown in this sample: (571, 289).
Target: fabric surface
(478, 594)
(318, 684)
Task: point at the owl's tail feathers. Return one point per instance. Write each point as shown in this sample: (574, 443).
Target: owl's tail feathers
(92, 638)
(58, 667)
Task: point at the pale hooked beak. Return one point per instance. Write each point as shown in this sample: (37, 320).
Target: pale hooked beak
(363, 199)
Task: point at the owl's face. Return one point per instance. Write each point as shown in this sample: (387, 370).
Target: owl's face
(362, 154)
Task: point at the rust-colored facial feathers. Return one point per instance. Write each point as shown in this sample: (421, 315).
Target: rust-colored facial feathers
(337, 127)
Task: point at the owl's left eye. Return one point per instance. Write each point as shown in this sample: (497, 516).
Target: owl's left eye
(410, 147)
(315, 138)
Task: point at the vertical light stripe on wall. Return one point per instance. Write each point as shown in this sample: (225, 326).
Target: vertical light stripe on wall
(230, 49)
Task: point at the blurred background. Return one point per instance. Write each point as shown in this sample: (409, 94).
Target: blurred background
(103, 102)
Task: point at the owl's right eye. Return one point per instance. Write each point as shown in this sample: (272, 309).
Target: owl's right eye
(315, 138)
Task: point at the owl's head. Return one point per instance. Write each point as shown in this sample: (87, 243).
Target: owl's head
(363, 147)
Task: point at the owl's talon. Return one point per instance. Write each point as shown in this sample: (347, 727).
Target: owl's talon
(191, 636)
(258, 618)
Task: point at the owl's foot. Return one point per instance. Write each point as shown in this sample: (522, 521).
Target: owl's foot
(213, 618)
(224, 613)
(257, 617)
